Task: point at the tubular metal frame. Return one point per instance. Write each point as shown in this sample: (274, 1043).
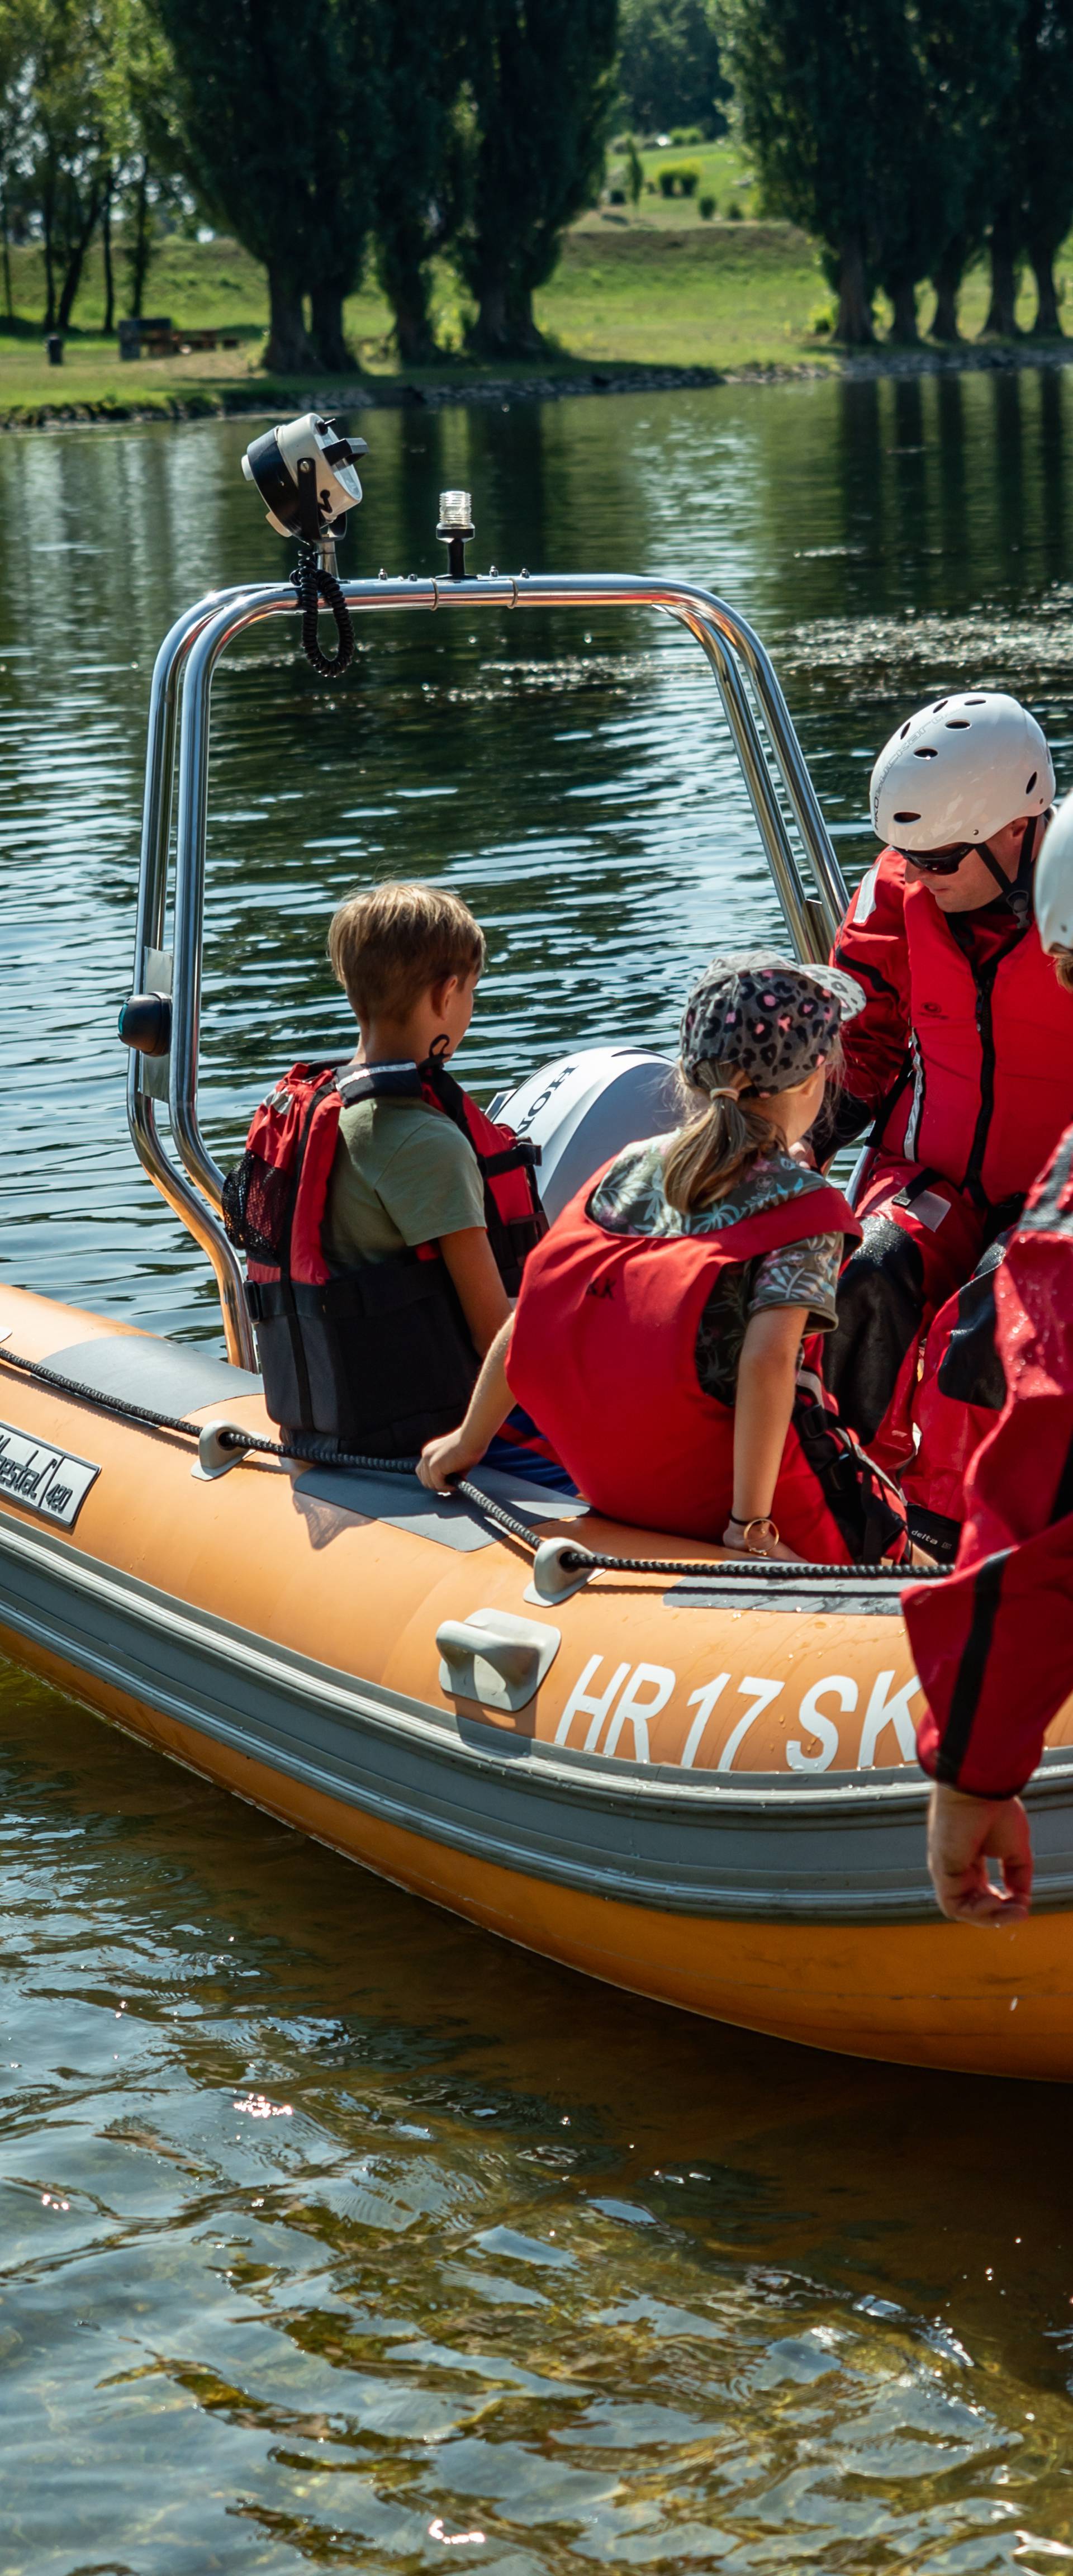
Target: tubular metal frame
(761, 729)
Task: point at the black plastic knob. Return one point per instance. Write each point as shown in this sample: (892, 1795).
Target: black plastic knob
(145, 1023)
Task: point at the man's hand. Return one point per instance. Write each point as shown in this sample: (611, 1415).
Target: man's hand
(964, 1833)
(448, 1456)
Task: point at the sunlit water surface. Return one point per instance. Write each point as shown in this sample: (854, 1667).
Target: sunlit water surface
(336, 2234)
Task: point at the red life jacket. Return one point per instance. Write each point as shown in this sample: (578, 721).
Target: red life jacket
(993, 1644)
(376, 1357)
(990, 1086)
(602, 1353)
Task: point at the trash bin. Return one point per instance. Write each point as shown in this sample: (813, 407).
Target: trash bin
(130, 339)
(54, 349)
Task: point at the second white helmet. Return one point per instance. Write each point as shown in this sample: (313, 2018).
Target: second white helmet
(1052, 891)
(959, 770)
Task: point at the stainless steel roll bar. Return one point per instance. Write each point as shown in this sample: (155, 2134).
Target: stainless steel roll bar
(781, 792)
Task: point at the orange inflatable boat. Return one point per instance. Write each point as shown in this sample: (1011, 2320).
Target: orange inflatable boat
(700, 1786)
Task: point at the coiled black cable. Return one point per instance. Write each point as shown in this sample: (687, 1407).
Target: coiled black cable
(314, 583)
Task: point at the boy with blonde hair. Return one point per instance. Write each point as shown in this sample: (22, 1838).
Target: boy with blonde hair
(384, 1216)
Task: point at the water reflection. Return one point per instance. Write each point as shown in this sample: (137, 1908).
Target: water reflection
(328, 2221)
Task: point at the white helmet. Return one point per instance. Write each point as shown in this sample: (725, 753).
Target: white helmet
(1053, 889)
(959, 770)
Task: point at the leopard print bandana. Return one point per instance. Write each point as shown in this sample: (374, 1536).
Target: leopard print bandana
(773, 1020)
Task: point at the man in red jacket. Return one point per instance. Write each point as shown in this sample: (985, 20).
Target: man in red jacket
(962, 1059)
(994, 1643)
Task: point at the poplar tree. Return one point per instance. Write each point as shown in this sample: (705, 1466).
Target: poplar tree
(1035, 167)
(420, 183)
(541, 76)
(816, 85)
(279, 116)
(959, 66)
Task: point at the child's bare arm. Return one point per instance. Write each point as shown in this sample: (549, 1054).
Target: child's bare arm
(767, 1374)
(488, 1408)
(484, 1300)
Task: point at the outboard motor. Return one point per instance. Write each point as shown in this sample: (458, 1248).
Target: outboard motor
(305, 473)
(583, 1108)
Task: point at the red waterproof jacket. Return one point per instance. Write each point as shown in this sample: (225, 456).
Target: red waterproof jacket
(973, 1072)
(994, 1644)
(602, 1353)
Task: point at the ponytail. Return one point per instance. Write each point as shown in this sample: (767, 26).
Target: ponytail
(719, 1142)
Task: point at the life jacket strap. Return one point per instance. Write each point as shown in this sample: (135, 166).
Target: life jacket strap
(378, 1082)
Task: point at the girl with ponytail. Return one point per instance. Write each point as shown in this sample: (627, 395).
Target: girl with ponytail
(667, 1331)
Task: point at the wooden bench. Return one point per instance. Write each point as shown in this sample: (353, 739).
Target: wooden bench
(157, 336)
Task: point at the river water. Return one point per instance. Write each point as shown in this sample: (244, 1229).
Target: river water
(336, 2234)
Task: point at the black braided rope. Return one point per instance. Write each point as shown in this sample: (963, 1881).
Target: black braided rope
(768, 1568)
(313, 584)
(108, 1403)
(574, 1560)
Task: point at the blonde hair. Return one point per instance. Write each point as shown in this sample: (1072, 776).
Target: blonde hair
(388, 947)
(1062, 962)
(720, 1141)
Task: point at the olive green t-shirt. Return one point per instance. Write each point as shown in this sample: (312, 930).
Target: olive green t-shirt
(403, 1174)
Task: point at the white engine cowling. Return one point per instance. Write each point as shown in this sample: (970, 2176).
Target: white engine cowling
(584, 1108)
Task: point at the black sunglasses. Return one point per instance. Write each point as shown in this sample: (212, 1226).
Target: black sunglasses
(939, 863)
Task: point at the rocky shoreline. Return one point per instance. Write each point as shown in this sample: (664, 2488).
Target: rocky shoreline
(387, 394)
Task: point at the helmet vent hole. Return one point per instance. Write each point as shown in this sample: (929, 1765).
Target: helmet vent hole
(957, 724)
(907, 818)
(927, 751)
(905, 729)
(975, 702)
(1032, 782)
(940, 703)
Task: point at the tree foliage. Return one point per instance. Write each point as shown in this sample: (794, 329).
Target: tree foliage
(420, 187)
(279, 112)
(541, 77)
(818, 87)
(1034, 165)
(959, 66)
(669, 65)
(885, 128)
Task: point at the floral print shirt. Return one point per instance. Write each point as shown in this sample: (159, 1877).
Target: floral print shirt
(630, 1200)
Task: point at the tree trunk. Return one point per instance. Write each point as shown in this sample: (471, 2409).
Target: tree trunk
(329, 339)
(289, 350)
(903, 296)
(413, 332)
(1047, 325)
(140, 251)
(75, 264)
(946, 278)
(10, 309)
(48, 217)
(106, 246)
(505, 325)
(404, 280)
(1001, 321)
(854, 320)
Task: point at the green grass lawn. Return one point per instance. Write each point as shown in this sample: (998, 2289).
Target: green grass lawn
(655, 286)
